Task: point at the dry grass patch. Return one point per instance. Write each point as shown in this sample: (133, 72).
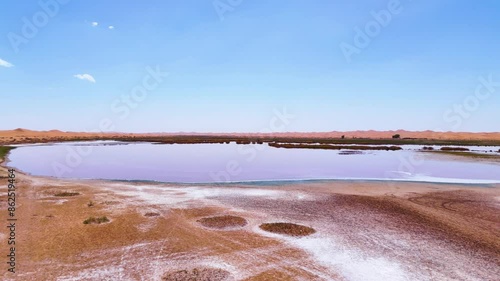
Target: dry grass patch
(335, 147)
(66, 194)
(451, 148)
(98, 220)
(221, 222)
(197, 274)
(287, 228)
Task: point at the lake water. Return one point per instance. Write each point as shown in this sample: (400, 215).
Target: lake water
(190, 163)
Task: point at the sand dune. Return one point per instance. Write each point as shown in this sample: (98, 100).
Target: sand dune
(24, 135)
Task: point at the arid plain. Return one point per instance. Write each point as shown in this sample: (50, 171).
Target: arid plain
(344, 230)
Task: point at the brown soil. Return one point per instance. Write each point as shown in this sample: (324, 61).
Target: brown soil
(287, 228)
(435, 231)
(221, 222)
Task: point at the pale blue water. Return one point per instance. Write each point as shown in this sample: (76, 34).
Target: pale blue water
(230, 162)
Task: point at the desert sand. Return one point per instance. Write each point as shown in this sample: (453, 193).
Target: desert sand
(29, 136)
(362, 231)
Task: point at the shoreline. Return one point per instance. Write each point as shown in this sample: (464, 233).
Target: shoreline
(274, 182)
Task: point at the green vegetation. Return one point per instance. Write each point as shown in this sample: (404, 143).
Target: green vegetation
(99, 220)
(66, 194)
(4, 150)
(396, 136)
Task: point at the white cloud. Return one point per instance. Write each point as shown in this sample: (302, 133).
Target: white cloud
(111, 27)
(94, 23)
(5, 63)
(87, 77)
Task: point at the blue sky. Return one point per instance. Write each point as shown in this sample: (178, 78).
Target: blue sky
(232, 64)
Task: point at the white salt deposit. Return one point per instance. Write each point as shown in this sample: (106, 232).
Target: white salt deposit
(352, 264)
(157, 194)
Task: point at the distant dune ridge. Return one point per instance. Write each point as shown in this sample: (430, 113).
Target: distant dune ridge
(21, 133)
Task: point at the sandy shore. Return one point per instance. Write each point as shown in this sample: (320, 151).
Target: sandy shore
(363, 231)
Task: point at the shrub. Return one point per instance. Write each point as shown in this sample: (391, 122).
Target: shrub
(396, 136)
(4, 150)
(98, 220)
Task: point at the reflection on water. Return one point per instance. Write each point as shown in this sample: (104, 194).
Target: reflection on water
(231, 162)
